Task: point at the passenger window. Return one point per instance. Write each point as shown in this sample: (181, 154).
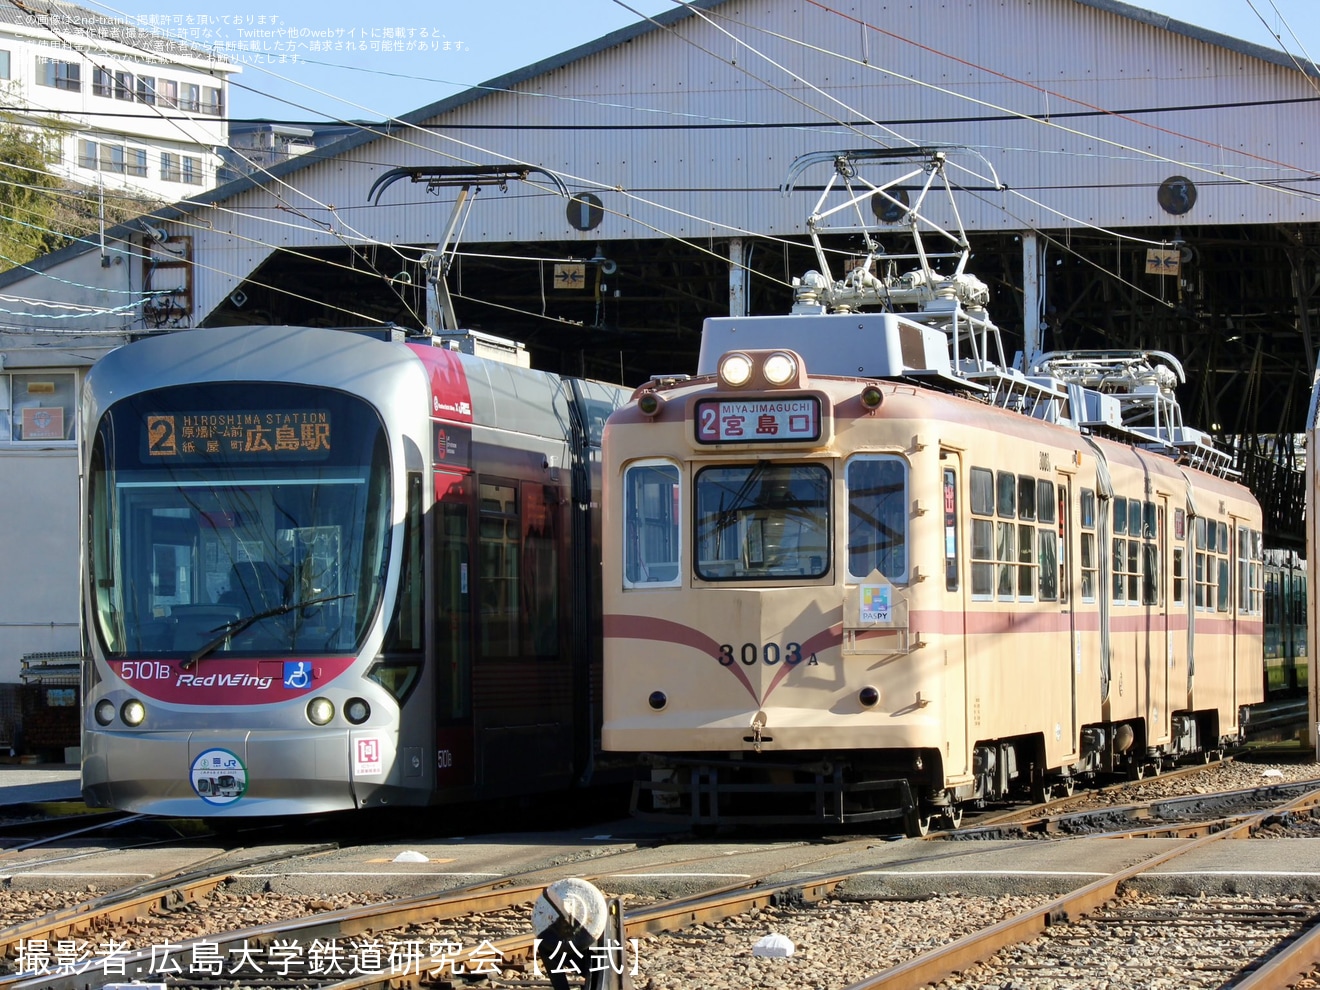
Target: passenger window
(877, 517)
(950, 530)
(499, 556)
(651, 541)
(764, 520)
(1007, 495)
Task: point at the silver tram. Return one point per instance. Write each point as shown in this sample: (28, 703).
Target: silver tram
(323, 571)
(859, 567)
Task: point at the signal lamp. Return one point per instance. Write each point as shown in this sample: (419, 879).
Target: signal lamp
(357, 711)
(657, 700)
(105, 711)
(320, 711)
(649, 404)
(779, 368)
(872, 397)
(868, 696)
(735, 369)
(133, 712)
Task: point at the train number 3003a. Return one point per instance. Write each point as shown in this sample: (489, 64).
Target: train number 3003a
(750, 654)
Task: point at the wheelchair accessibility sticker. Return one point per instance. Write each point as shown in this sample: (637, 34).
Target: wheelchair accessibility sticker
(297, 674)
(219, 777)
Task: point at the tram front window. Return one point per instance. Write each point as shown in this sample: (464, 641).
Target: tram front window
(237, 521)
(763, 520)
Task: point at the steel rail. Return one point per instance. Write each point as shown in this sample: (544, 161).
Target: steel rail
(931, 967)
(159, 896)
(1291, 963)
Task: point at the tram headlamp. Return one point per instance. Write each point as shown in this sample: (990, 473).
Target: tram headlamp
(657, 700)
(133, 712)
(779, 368)
(868, 696)
(105, 711)
(357, 711)
(872, 397)
(320, 711)
(650, 404)
(735, 369)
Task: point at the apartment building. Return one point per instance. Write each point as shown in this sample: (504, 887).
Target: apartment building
(137, 111)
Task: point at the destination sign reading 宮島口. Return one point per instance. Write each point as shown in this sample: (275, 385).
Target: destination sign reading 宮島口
(758, 420)
(272, 433)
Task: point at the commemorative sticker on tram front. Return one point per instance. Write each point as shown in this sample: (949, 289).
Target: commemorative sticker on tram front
(876, 603)
(219, 777)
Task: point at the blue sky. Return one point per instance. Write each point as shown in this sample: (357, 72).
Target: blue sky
(358, 61)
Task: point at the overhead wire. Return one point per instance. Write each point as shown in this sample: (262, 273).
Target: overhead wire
(728, 228)
(73, 47)
(700, 13)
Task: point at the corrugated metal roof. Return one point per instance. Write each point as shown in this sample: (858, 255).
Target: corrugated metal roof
(718, 137)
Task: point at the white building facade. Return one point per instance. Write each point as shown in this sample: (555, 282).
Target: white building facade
(136, 112)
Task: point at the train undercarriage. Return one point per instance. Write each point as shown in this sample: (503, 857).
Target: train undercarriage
(905, 786)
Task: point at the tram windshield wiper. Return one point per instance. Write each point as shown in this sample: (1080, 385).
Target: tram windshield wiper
(236, 626)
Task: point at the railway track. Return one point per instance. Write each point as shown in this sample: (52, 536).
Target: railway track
(490, 922)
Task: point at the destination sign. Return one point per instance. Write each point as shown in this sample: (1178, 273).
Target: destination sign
(275, 433)
(758, 420)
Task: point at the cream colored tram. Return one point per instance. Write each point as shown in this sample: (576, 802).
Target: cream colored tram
(843, 582)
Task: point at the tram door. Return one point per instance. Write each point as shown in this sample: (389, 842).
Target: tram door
(452, 655)
(1063, 565)
(957, 758)
(1155, 596)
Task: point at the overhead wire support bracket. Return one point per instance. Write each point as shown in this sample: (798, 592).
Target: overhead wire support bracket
(440, 314)
(440, 176)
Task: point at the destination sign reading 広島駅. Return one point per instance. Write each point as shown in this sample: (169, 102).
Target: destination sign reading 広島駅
(261, 433)
(758, 420)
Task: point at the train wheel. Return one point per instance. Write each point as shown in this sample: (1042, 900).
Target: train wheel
(917, 825)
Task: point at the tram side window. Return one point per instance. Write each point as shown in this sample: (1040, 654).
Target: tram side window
(877, 517)
(1203, 573)
(400, 669)
(1026, 538)
(1213, 588)
(499, 554)
(405, 632)
(1047, 542)
(1151, 573)
(1250, 556)
(982, 484)
(1179, 556)
(1089, 562)
(1118, 564)
(1222, 566)
(950, 530)
(651, 493)
(1006, 536)
(539, 599)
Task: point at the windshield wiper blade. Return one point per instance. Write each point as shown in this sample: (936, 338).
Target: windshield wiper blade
(235, 626)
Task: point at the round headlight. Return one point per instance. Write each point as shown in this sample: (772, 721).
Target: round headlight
(780, 368)
(357, 711)
(657, 700)
(735, 369)
(320, 711)
(872, 397)
(133, 712)
(105, 711)
(649, 404)
(868, 696)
